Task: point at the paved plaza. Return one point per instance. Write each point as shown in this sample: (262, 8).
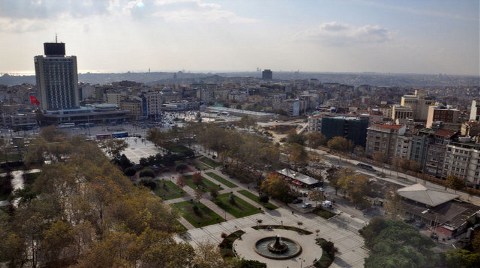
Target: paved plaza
(342, 229)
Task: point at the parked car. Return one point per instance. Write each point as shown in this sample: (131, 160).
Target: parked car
(419, 224)
(306, 205)
(297, 201)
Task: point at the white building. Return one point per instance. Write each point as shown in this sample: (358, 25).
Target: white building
(463, 161)
(475, 110)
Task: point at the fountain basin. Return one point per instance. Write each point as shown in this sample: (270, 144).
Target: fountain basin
(269, 247)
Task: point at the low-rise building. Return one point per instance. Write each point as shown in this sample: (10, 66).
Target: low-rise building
(447, 216)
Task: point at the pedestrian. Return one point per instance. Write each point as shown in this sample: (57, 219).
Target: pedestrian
(292, 212)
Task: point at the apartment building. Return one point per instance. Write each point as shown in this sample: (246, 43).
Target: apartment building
(463, 161)
(382, 138)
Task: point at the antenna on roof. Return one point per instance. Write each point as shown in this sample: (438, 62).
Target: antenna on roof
(56, 38)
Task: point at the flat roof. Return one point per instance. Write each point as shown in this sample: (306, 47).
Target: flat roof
(297, 176)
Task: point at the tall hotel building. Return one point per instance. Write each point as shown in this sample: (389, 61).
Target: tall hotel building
(57, 78)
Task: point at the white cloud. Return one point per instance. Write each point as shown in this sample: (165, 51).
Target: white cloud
(335, 33)
(196, 11)
(42, 9)
(20, 25)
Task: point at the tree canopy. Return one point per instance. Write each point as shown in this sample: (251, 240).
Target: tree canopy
(85, 212)
(397, 244)
(276, 187)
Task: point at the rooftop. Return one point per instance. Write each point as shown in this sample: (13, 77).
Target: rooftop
(421, 194)
(297, 176)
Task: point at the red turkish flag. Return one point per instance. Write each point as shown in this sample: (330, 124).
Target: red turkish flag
(34, 100)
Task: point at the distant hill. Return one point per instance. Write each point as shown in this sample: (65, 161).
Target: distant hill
(374, 79)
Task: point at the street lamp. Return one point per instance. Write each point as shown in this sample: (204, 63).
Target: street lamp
(301, 262)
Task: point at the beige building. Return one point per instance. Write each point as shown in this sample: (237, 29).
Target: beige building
(134, 108)
(383, 139)
(419, 104)
(115, 97)
(401, 114)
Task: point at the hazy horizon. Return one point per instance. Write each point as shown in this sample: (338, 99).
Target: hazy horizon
(352, 36)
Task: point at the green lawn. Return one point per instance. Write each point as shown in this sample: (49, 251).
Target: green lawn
(205, 216)
(238, 209)
(29, 178)
(168, 190)
(204, 186)
(324, 213)
(221, 180)
(209, 162)
(255, 198)
(200, 165)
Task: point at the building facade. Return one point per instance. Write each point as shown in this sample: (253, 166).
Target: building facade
(57, 78)
(351, 128)
(383, 139)
(267, 74)
(463, 161)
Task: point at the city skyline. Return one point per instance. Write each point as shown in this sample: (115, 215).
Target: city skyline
(320, 36)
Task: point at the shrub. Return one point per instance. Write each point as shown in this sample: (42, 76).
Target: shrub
(213, 192)
(147, 172)
(196, 210)
(130, 171)
(263, 198)
(149, 184)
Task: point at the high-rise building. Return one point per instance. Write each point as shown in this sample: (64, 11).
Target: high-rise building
(267, 74)
(57, 78)
(475, 110)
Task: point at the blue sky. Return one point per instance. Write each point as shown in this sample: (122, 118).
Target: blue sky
(206, 35)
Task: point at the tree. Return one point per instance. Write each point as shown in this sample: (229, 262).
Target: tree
(393, 204)
(340, 144)
(333, 176)
(197, 178)
(355, 185)
(113, 147)
(316, 139)
(208, 255)
(84, 211)
(56, 239)
(246, 122)
(379, 157)
(476, 241)
(297, 154)
(316, 195)
(180, 181)
(147, 172)
(276, 187)
(213, 192)
(198, 194)
(455, 183)
(462, 258)
(294, 138)
(397, 244)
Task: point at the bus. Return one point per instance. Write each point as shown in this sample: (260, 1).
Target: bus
(103, 136)
(121, 134)
(66, 125)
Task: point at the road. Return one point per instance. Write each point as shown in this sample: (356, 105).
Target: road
(395, 176)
